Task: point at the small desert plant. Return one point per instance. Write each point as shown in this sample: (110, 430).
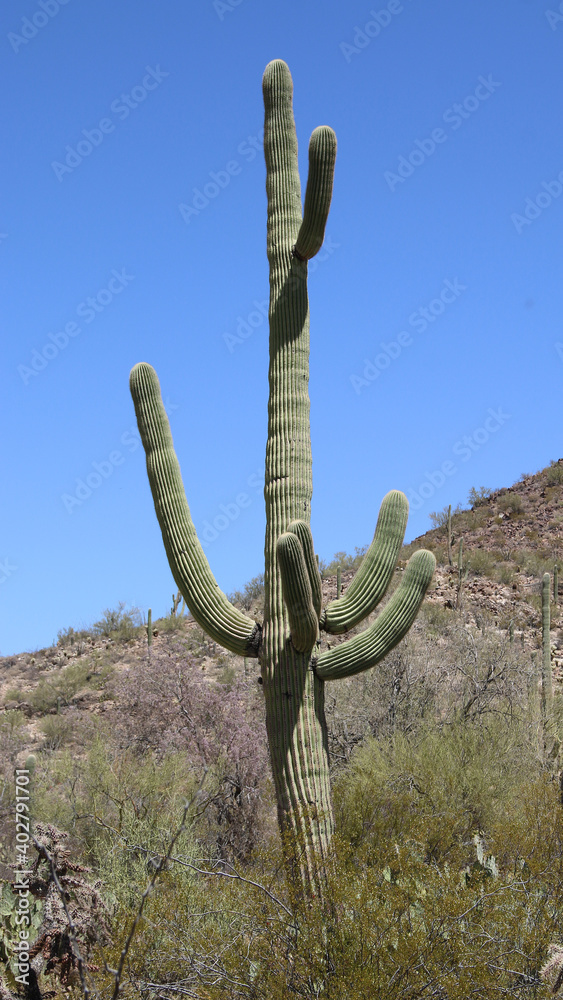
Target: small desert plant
(478, 495)
(118, 623)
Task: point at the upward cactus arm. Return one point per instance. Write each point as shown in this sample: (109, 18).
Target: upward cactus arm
(189, 565)
(322, 156)
(373, 577)
(371, 646)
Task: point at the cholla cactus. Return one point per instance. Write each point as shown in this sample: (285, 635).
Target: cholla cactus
(293, 669)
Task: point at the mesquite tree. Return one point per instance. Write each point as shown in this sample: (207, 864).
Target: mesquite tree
(293, 668)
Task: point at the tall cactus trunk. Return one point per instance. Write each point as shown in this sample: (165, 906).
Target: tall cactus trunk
(294, 671)
(295, 716)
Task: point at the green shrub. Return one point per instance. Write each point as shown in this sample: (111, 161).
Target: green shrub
(478, 495)
(481, 562)
(117, 623)
(554, 474)
(511, 503)
(253, 591)
(56, 729)
(60, 688)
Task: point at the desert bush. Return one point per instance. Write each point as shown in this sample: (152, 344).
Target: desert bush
(118, 623)
(511, 503)
(481, 562)
(56, 729)
(419, 905)
(253, 591)
(344, 560)
(166, 705)
(60, 687)
(554, 474)
(478, 495)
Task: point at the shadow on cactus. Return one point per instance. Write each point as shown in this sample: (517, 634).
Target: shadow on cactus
(294, 671)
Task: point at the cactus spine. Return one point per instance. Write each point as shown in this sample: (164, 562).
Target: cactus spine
(292, 669)
(546, 686)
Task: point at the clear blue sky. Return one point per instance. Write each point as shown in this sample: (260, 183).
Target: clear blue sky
(448, 118)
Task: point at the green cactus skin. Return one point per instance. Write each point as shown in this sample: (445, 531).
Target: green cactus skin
(303, 532)
(546, 684)
(292, 673)
(376, 569)
(297, 593)
(209, 607)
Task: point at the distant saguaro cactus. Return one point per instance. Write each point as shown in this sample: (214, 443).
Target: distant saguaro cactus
(546, 684)
(293, 669)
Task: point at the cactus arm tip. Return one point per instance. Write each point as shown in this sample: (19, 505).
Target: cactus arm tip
(375, 572)
(297, 593)
(372, 645)
(208, 604)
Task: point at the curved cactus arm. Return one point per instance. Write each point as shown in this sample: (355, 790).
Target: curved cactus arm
(224, 623)
(375, 572)
(297, 593)
(303, 532)
(368, 648)
(322, 157)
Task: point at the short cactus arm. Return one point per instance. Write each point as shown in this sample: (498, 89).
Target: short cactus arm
(375, 572)
(303, 532)
(322, 157)
(371, 646)
(297, 594)
(190, 568)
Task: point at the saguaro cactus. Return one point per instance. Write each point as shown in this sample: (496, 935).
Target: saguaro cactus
(293, 668)
(546, 683)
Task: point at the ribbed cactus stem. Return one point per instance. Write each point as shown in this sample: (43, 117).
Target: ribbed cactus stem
(291, 672)
(297, 593)
(376, 570)
(303, 532)
(546, 685)
(371, 646)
